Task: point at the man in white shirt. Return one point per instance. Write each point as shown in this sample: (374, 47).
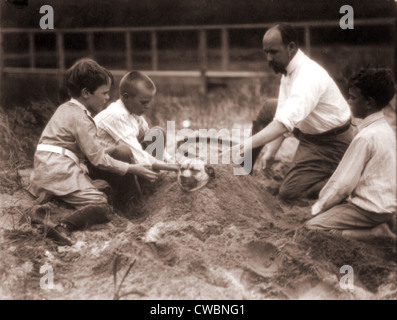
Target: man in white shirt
(309, 105)
(122, 127)
(366, 176)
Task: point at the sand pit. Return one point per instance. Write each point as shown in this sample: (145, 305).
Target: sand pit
(229, 240)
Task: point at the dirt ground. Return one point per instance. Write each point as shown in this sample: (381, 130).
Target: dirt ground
(231, 239)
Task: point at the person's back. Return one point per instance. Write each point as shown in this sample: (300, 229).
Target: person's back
(61, 131)
(376, 189)
(318, 104)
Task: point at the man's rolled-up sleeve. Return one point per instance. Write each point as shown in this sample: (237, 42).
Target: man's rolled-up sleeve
(304, 96)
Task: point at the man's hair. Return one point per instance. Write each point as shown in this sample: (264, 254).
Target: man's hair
(288, 33)
(86, 73)
(376, 83)
(130, 80)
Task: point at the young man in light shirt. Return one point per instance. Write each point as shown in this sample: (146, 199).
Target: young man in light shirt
(309, 105)
(122, 126)
(359, 200)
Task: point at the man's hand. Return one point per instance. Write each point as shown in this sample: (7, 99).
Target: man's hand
(267, 163)
(143, 171)
(267, 160)
(244, 147)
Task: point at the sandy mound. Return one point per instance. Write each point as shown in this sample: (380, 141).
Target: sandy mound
(228, 240)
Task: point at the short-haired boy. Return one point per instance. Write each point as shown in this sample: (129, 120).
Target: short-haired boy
(359, 200)
(123, 127)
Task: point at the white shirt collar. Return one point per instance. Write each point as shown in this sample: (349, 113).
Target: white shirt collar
(80, 105)
(295, 61)
(121, 103)
(370, 119)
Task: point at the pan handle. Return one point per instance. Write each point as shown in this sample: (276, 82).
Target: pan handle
(166, 167)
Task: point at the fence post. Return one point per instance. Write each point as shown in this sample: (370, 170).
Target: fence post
(395, 49)
(1, 63)
(32, 60)
(307, 40)
(61, 58)
(395, 58)
(128, 51)
(1, 60)
(90, 43)
(225, 49)
(155, 57)
(203, 59)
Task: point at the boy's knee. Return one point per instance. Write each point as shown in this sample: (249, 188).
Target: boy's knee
(311, 224)
(100, 199)
(123, 153)
(81, 198)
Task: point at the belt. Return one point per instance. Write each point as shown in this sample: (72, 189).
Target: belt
(329, 133)
(336, 131)
(60, 150)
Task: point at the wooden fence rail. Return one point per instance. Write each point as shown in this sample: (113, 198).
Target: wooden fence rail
(202, 46)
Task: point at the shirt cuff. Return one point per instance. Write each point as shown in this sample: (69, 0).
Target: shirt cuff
(286, 122)
(123, 167)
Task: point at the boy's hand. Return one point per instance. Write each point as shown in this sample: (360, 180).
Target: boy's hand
(316, 208)
(143, 171)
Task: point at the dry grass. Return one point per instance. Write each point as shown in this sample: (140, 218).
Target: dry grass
(228, 108)
(10, 155)
(117, 288)
(20, 128)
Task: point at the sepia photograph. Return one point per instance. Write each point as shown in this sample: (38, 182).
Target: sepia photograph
(198, 150)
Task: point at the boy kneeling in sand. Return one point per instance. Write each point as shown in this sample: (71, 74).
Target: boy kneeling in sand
(366, 175)
(123, 127)
(67, 140)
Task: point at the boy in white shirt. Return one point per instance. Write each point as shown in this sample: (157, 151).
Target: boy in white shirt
(359, 200)
(122, 127)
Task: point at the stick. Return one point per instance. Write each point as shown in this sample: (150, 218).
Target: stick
(166, 167)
